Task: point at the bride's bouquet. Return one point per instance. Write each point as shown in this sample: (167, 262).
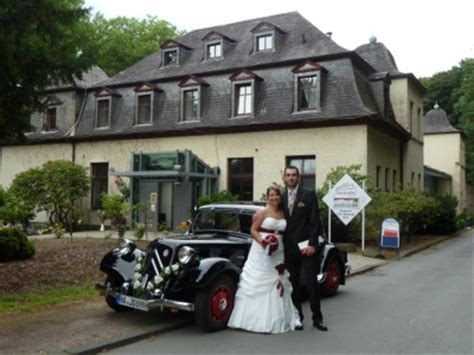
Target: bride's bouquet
(270, 243)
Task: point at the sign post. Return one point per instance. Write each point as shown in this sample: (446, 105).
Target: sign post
(346, 199)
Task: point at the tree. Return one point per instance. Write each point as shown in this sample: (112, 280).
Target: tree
(42, 43)
(53, 188)
(442, 91)
(121, 41)
(464, 108)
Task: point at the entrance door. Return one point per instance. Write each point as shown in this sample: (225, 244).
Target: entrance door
(149, 198)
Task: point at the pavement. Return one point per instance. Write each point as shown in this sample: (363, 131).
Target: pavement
(359, 264)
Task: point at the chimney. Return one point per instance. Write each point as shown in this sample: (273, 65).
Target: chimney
(329, 34)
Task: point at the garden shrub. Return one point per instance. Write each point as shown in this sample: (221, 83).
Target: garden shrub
(445, 219)
(222, 196)
(465, 219)
(14, 244)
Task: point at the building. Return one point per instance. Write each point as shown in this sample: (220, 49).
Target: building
(445, 152)
(228, 107)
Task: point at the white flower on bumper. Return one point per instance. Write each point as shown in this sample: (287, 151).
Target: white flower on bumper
(150, 286)
(175, 267)
(136, 284)
(138, 267)
(158, 279)
(167, 270)
(136, 276)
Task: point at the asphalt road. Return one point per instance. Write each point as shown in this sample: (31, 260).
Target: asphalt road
(420, 304)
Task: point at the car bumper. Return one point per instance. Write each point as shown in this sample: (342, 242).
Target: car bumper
(159, 301)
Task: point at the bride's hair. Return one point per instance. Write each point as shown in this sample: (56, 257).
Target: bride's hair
(278, 192)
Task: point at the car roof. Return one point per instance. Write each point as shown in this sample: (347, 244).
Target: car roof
(232, 207)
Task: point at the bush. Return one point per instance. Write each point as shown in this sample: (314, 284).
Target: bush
(116, 209)
(445, 219)
(222, 196)
(14, 244)
(465, 219)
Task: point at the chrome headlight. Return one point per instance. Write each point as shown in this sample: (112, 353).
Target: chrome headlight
(186, 254)
(127, 246)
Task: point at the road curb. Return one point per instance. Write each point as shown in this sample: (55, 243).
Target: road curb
(132, 337)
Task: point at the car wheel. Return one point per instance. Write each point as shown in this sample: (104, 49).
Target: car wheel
(214, 304)
(114, 282)
(333, 278)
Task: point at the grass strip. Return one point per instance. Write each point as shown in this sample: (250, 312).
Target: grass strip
(27, 302)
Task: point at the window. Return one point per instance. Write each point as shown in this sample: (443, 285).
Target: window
(411, 117)
(412, 179)
(241, 178)
(99, 183)
(387, 175)
(103, 113)
(419, 181)
(265, 43)
(214, 50)
(394, 180)
(144, 109)
(377, 177)
(50, 123)
(243, 104)
(418, 123)
(307, 167)
(191, 104)
(170, 57)
(308, 92)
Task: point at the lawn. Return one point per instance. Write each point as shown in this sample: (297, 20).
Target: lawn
(62, 270)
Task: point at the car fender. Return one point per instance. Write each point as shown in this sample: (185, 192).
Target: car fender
(211, 268)
(331, 251)
(115, 262)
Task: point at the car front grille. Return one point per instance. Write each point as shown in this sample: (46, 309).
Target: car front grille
(158, 257)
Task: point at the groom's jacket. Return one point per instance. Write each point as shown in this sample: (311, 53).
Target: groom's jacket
(303, 221)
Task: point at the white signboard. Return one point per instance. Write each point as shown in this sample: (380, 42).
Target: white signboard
(346, 199)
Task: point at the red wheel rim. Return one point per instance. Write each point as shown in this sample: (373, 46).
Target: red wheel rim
(222, 302)
(333, 277)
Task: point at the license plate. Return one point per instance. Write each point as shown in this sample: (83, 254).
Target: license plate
(132, 302)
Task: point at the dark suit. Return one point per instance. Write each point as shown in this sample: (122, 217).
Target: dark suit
(303, 224)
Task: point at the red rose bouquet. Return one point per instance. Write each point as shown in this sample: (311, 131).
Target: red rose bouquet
(270, 243)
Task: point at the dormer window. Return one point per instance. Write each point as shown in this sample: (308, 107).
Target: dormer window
(50, 121)
(103, 113)
(266, 37)
(214, 50)
(170, 57)
(173, 53)
(243, 92)
(191, 98)
(307, 86)
(265, 42)
(144, 103)
(215, 45)
(104, 100)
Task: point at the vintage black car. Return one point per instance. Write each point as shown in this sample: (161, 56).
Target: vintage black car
(199, 270)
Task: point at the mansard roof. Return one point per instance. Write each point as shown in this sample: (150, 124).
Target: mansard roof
(302, 40)
(379, 57)
(89, 78)
(437, 121)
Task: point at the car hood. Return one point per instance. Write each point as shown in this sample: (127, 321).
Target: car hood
(211, 238)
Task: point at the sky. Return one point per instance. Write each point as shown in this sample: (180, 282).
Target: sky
(425, 37)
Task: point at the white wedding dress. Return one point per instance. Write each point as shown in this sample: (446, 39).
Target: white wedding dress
(260, 306)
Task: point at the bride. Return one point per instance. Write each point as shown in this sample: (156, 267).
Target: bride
(263, 299)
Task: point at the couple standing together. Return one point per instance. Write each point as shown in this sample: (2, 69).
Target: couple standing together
(268, 298)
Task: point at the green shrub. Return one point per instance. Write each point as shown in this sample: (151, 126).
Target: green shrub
(14, 244)
(116, 209)
(445, 219)
(222, 196)
(465, 219)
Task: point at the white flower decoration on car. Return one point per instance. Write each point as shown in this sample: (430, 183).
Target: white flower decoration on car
(158, 279)
(175, 267)
(150, 286)
(167, 270)
(138, 267)
(136, 284)
(137, 276)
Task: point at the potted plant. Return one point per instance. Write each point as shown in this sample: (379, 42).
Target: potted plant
(116, 210)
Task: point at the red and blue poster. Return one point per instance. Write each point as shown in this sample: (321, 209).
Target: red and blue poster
(390, 237)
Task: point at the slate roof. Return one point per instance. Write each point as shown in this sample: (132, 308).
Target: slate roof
(379, 57)
(437, 121)
(302, 40)
(350, 92)
(89, 78)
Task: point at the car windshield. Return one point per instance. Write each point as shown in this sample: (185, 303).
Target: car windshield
(226, 221)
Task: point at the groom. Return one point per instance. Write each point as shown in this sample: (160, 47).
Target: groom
(302, 215)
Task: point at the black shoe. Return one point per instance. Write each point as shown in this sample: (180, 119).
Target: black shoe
(318, 324)
(299, 327)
